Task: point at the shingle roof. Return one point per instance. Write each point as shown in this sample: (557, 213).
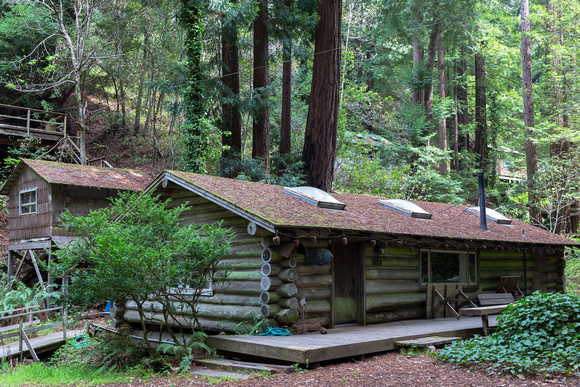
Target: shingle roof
(81, 175)
(277, 209)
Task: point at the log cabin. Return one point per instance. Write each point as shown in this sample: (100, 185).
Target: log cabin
(339, 258)
(40, 191)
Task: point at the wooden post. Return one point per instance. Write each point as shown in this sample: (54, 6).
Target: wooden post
(63, 318)
(64, 126)
(49, 279)
(28, 122)
(33, 258)
(10, 266)
(20, 336)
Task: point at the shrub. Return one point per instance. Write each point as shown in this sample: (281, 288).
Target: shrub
(538, 334)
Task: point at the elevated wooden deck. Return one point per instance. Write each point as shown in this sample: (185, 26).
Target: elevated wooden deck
(20, 122)
(343, 342)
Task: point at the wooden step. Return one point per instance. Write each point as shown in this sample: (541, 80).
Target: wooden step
(424, 342)
(243, 366)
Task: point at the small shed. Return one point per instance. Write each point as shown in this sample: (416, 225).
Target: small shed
(40, 191)
(350, 259)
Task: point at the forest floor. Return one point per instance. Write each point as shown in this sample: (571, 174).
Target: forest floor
(390, 369)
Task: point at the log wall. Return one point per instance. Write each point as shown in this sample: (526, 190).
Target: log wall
(543, 270)
(314, 285)
(392, 285)
(237, 298)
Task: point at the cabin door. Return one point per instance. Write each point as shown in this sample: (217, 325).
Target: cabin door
(348, 302)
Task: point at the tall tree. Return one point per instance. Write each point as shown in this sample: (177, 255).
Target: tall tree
(286, 119)
(195, 132)
(231, 117)
(531, 152)
(321, 126)
(480, 136)
(441, 93)
(261, 127)
(73, 24)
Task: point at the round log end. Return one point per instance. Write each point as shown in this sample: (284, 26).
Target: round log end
(266, 255)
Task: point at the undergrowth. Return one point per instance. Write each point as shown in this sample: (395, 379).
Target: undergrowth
(539, 334)
(49, 375)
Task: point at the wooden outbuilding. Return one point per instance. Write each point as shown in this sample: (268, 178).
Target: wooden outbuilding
(300, 253)
(40, 191)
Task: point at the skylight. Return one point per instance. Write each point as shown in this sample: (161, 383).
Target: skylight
(406, 207)
(490, 214)
(315, 196)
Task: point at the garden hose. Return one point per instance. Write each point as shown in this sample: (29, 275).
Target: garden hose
(81, 341)
(269, 331)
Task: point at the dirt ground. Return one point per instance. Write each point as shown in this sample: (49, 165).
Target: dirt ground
(390, 369)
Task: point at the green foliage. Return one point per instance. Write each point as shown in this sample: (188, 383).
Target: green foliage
(136, 248)
(195, 130)
(27, 148)
(40, 373)
(573, 273)
(360, 173)
(106, 351)
(16, 295)
(538, 334)
(251, 324)
(286, 170)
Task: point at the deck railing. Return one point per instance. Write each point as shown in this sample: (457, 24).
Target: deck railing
(32, 120)
(26, 319)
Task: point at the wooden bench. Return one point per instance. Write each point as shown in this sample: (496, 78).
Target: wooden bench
(490, 304)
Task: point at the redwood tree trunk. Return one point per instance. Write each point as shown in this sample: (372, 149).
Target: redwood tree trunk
(321, 126)
(418, 94)
(455, 162)
(441, 92)
(286, 119)
(480, 111)
(231, 117)
(261, 128)
(430, 65)
(531, 154)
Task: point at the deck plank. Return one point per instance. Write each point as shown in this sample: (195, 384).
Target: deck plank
(342, 342)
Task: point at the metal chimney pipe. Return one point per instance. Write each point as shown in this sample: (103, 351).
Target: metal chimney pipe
(482, 217)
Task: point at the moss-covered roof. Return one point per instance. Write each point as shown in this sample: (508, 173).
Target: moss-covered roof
(81, 175)
(277, 209)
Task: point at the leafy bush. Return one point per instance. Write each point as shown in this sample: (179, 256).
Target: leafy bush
(16, 295)
(573, 273)
(538, 334)
(137, 250)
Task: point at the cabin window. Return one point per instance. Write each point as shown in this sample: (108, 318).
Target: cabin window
(28, 202)
(448, 267)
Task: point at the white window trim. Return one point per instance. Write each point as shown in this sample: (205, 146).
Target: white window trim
(208, 291)
(35, 203)
(466, 253)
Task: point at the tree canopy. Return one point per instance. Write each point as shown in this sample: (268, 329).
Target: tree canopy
(233, 88)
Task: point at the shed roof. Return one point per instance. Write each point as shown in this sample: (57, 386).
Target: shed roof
(80, 175)
(273, 209)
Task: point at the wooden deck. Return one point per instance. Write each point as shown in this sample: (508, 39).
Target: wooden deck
(40, 344)
(21, 122)
(343, 342)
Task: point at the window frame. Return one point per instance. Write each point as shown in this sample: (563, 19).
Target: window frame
(468, 263)
(33, 204)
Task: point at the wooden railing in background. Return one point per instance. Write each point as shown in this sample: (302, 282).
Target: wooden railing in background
(31, 121)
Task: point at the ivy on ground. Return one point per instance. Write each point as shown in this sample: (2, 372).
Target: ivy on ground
(538, 334)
